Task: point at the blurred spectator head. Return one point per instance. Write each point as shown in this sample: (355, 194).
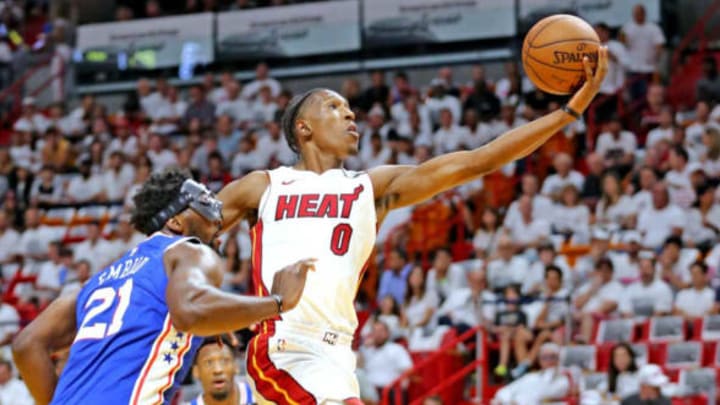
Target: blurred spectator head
(610, 187)
(471, 118)
(711, 140)
(647, 267)
(600, 239)
(144, 87)
(525, 207)
(445, 73)
(672, 248)
(569, 195)
(224, 125)
(123, 13)
(622, 360)
(490, 219)
(553, 277)
(416, 283)
(603, 32)
(380, 333)
(402, 82)
(652, 379)
(116, 160)
(32, 218)
(262, 71)
(678, 158)
(124, 229)
(595, 164)
(698, 273)
(702, 111)
(350, 88)
(396, 260)
(377, 78)
(478, 76)
(604, 268)
(388, 306)
(438, 88)
(208, 81)
(614, 125)
(47, 173)
(512, 296)
(477, 280)
(562, 163)
(122, 128)
(152, 9)
(529, 184)
(546, 253)
(709, 67)
(647, 177)
(442, 260)
(660, 195)
(376, 117)
(667, 116)
(197, 94)
(156, 143)
(505, 247)
(705, 196)
(422, 153)
(638, 14)
(446, 118)
(6, 371)
(233, 90)
(216, 164)
(83, 270)
(549, 355)
(633, 241)
(93, 230)
(656, 96)
(265, 95)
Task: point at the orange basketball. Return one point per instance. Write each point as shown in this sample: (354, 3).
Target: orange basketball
(553, 52)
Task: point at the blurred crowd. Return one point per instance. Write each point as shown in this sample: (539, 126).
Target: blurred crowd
(634, 188)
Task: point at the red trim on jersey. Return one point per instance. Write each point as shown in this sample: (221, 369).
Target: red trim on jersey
(171, 375)
(148, 365)
(353, 401)
(256, 238)
(272, 383)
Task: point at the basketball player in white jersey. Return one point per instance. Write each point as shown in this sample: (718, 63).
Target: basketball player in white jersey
(318, 209)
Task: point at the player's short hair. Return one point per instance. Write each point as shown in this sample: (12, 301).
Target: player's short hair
(290, 116)
(154, 196)
(219, 341)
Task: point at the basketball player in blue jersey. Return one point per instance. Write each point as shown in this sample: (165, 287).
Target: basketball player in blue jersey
(216, 369)
(132, 329)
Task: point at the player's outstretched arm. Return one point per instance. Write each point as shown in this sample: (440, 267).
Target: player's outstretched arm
(397, 186)
(242, 196)
(53, 330)
(199, 307)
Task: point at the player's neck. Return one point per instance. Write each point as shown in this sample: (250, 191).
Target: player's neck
(318, 162)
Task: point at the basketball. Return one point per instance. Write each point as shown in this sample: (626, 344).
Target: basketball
(553, 52)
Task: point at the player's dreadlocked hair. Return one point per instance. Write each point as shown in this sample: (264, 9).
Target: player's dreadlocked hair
(291, 113)
(154, 196)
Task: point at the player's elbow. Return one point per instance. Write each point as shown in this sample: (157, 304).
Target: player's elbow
(184, 319)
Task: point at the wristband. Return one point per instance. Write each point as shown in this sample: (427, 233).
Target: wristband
(278, 299)
(572, 112)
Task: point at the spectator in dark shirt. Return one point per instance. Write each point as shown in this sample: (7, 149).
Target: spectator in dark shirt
(199, 108)
(592, 187)
(708, 86)
(378, 92)
(217, 176)
(483, 100)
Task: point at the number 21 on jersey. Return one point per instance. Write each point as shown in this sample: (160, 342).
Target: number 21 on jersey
(100, 301)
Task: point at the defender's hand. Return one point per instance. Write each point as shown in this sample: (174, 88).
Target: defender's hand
(582, 98)
(289, 282)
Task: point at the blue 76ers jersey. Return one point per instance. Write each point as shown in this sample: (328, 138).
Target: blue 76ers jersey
(126, 350)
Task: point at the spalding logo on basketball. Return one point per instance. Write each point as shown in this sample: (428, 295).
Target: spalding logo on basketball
(553, 52)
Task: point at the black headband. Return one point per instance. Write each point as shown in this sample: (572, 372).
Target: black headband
(194, 195)
(294, 113)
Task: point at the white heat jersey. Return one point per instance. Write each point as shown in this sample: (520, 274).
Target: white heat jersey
(330, 217)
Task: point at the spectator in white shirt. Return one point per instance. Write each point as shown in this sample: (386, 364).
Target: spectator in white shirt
(34, 241)
(274, 146)
(411, 106)
(678, 178)
(538, 387)
(507, 268)
(12, 390)
(420, 302)
(534, 280)
(264, 107)
(126, 238)
(627, 262)
(262, 79)
(449, 136)
(648, 297)
(470, 306)
(564, 175)
(529, 186)
(703, 220)
(159, 155)
(439, 99)
(31, 120)
(48, 283)
(167, 118)
(248, 158)
(444, 277)
(142, 173)
(617, 146)
(384, 361)
(695, 131)
(478, 133)
(674, 263)
(86, 187)
(660, 220)
(9, 323)
(528, 229)
(117, 178)
(642, 199)
(664, 131)
(96, 250)
(377, 154)
(150, 102)
(47, 189)
(614, 208)
(617, 64)
(123, 140)
(697, 300)
(710, 160)
(235, 106)
(597, 299)
(9, 239)
(488, 233)
(228, 138)
(569, 217)
(644, 41)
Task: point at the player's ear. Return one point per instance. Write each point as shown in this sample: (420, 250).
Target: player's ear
(303, 129)
(176, 224)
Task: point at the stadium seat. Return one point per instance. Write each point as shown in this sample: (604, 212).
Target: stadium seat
(90, 213)
(58, 216)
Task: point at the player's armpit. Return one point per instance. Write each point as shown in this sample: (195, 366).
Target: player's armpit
(53, 330)
(242, 196)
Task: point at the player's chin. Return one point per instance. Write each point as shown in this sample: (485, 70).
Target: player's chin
(353, 149)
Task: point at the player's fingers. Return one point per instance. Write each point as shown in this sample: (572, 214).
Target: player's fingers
(587, 67)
